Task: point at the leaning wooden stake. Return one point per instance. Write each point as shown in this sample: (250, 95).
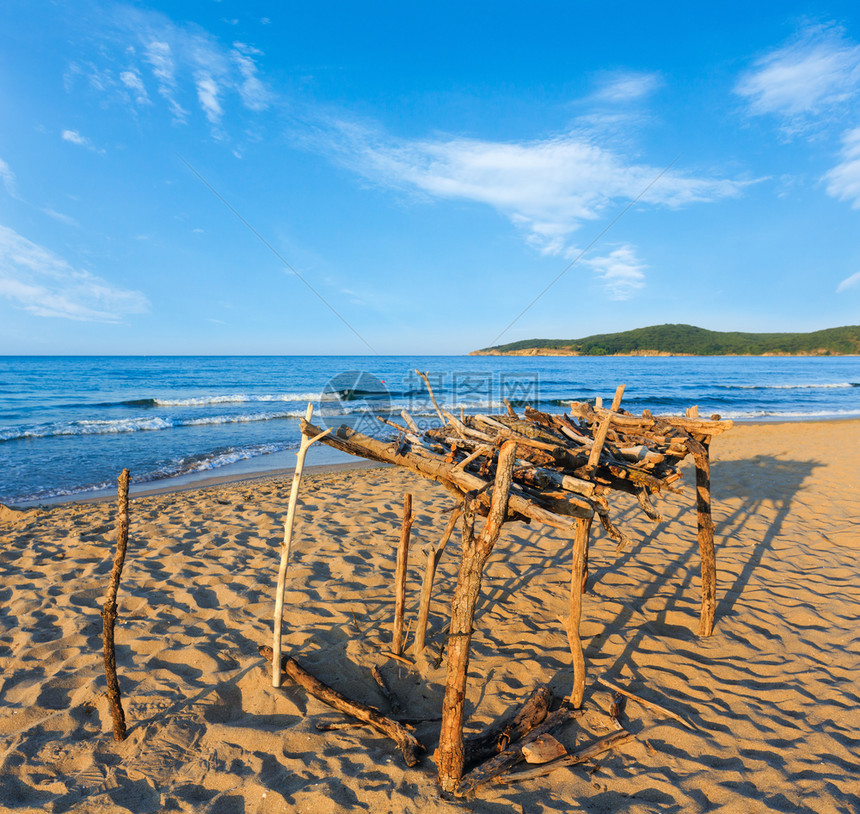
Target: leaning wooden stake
(645, 703)
(705, 523)
(109, 610)
(433, 556)
(476, 550)
(400, 575)
(577, 574)
(304, 446)
(599, 441)
(410, 747)
(432, 396)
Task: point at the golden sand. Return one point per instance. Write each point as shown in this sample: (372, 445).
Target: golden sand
(773, 694)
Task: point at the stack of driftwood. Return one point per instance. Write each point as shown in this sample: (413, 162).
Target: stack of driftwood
(559, 470)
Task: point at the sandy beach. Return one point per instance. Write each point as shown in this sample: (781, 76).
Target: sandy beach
(772, 696)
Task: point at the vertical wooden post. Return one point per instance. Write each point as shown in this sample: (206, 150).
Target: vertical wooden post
(304, 446)
(109, 610)
(577, 579)
(400, 575)
(433, 556)
(475, 554)
(616, 401)
(705, 523)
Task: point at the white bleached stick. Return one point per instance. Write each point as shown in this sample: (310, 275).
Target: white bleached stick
(285, 551)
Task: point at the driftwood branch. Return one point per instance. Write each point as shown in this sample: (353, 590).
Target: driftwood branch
(498, 736)
(390, 697)
(433, 555)
(304, 446)
(650, 704)
(512, 755)
(109, 610)
(432, 397)
(616, 401)
(408, 743)
(355, 443)
(705, 524)
(400, 575)
(476, 550)
(593, 749)
(577, 581)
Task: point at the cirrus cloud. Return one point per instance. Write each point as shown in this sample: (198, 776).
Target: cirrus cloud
(186, 64)
(849, 282)
(8, 179)
(546, 187)
(46, 285)
(812, 76)
(621, 271)
(843, 181)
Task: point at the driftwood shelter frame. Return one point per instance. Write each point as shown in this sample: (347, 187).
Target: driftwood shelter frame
(546, 469)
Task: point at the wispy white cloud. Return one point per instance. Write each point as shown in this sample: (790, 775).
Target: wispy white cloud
(207, 94)
(74, 137)
(548, 187)
(8, 179)
(133, 81)
(813, 75)
(254, 93)
(46, 285)
(159, 56)
(843, 181)
(621, 271)
(188, 66)
(619, 87)
(60, 216)
(849, 282)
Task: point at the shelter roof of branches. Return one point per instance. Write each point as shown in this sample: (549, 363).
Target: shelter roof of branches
(560, 470)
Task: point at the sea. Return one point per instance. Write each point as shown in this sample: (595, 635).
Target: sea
(69, 425)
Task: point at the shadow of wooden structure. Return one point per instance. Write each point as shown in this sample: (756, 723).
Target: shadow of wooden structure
(557, 470)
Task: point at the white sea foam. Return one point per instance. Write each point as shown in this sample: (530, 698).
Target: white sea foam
(238, 398)
(126, 425)
(215, 460)
(796, 414)
(807, 386)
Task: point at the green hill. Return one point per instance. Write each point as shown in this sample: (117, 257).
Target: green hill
(688, 340)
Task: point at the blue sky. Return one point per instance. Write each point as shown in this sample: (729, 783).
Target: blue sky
(425, 170)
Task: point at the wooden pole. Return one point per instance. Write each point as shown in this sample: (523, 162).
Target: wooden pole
(433, 556)
(304, 446)
(580, 547)
(475, 554)
(109, 610)
(400, 575)
(705, 523)
(616, 401)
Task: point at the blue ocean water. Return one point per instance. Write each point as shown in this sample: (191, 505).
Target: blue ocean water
(68, 425)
